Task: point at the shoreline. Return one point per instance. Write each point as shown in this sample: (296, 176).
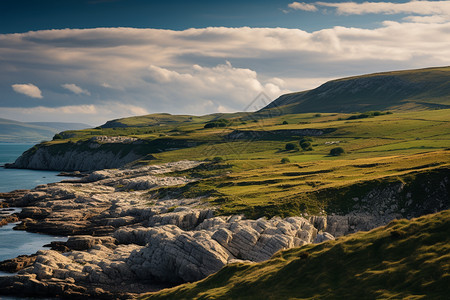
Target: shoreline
(124, 241)
(111, 227)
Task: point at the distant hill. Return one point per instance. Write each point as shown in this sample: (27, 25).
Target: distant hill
(161, 119)
(20, 132)
(61, 126)
(412, 89)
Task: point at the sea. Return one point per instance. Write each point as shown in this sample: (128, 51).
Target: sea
(16, 242)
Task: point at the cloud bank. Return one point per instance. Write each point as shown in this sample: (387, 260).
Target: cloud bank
(435, 10)
(204, 70)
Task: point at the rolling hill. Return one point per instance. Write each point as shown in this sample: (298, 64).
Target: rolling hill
(20, 132)
(412, 89)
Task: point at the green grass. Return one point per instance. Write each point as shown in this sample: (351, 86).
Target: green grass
(403, 260)
(255, 181)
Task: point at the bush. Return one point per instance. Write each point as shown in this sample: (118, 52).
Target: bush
(317, 115)
(285, 122)
(290, 146)
(57, 137)
(305, 143)
(217, 123)
(217, 159)
(285, 160)
(368, 114)
(337, 151)
(306, 139)
(306, 146)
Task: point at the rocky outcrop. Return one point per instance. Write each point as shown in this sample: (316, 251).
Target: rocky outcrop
(380, 203)
(121, 237)
(7, 215)
(167, 253)
(175, 255)
(74, 159)
(16, 264)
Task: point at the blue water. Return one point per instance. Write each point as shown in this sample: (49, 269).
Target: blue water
(13, 242)
(13, 179)
(18, 242)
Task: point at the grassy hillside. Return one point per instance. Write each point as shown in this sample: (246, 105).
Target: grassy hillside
(404, 260)
(257, 175)
(410, 89)
(380, 150)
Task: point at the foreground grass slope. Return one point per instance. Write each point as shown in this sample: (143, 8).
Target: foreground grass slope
(405, 259)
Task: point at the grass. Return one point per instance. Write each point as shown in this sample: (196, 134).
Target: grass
(256, 183)
(405, 259)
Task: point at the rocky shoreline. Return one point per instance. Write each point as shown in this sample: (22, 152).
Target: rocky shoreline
(122, 241)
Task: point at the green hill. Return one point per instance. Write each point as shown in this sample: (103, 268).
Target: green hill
(412, 89)
(405, 259)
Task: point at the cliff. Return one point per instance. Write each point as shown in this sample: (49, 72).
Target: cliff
(94, 154)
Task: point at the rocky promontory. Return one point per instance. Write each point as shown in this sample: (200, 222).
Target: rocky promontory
(123, 240)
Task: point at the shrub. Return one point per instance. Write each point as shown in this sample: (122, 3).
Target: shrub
(217, 159)
(290, 146)
(337, 151)
(285, 160)
(285, 122)
(306, 146)
(306, 139)
(317, 115)
(217, 123)
(305, 143)
(368, 114)
(57, 137)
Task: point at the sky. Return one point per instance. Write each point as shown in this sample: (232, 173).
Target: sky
(95, 60)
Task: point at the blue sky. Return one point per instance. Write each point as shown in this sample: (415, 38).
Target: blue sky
(22, 16)
(94, 60)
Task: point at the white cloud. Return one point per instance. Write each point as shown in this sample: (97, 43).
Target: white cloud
(75, 89)
(427, 19)
(28, 89)
(229, 87)
(302, 6)
(412, 7)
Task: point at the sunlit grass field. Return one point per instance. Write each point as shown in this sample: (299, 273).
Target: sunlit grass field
(250, 177)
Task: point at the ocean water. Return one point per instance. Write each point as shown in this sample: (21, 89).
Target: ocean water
(14, 242)
(13, 179)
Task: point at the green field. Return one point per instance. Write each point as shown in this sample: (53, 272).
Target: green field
(251, 179)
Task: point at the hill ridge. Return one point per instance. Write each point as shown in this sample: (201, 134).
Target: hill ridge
(427, 88)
